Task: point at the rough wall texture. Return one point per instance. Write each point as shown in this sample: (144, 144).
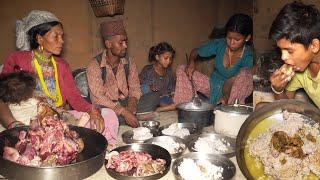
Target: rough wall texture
(185, 24)
(264, 13)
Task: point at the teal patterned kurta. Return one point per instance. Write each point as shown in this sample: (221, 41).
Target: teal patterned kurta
(221, 74)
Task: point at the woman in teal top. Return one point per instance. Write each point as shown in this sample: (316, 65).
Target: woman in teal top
(232, 76)
(222, 73)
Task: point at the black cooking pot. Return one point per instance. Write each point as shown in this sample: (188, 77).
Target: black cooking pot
(202, 115)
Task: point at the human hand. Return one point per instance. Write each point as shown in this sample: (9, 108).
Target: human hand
(84, 118)
(130, 118)
(223, 100)
(190, 68)
(280, 78)
(132, 105)
(96, 120)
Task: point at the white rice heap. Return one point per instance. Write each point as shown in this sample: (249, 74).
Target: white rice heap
(211, 144)
(293, 168)
(170, 145)
(200, 170)
(174, 130)
(141, 133)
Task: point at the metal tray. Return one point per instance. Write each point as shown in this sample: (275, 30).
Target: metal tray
(270, 110)
(229, 169)
(89, 161)
(154, 150)
(229, 153)
(182, 143)
(192, 127)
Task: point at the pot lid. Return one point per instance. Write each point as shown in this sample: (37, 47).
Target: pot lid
(192, 107)
(236, 108)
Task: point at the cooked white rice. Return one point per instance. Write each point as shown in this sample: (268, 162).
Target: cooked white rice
(200, 170)
(141, 133)
(170, 145)
(175, 130)
(211, 144)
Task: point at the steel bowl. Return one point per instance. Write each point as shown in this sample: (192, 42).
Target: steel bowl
(230, 152)
(80, 78)
(229, 169)
(181, 142)
(89, 161)
(270, 114)
(154, 150)
(152, 125)
(192, 127)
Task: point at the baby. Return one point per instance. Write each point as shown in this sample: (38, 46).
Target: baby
(18, 91)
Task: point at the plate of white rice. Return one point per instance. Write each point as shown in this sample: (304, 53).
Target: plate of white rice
(213, 143)
(195, 165)
(174, 145)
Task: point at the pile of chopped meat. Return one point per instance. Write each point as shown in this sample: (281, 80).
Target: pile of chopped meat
(135, 163)
(47, 142)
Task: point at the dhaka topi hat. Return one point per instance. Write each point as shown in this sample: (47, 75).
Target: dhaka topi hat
(112, 28)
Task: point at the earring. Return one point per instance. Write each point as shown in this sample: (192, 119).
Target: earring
(40, 48)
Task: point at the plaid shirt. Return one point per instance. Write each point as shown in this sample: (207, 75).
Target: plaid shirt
(116, 86)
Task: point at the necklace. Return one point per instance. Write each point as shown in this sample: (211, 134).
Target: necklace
(56, 96)
(229, 52)
(41, 58)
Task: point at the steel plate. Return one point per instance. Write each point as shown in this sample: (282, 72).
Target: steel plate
(182, 143)
(261, 115)
(229, 153)
(229, 169)
(154, 150)
(87, 163)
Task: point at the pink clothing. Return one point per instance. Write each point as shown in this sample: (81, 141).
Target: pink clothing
(183, 92)
(111, 124)
(242, 85)
(22, 60)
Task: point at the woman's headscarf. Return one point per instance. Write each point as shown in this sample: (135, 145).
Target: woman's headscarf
(34, 18)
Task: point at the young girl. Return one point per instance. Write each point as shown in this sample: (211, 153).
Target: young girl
(158, 76)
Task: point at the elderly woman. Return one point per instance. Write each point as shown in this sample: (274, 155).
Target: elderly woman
(40, 41)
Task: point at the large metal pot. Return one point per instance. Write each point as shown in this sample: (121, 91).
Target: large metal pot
(229, 118)
(200, 115)
(89, 161)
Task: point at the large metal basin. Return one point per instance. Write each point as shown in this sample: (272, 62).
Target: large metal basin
(260, 115)
(89, 161)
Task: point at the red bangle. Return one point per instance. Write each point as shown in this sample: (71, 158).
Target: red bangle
(13, 124)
